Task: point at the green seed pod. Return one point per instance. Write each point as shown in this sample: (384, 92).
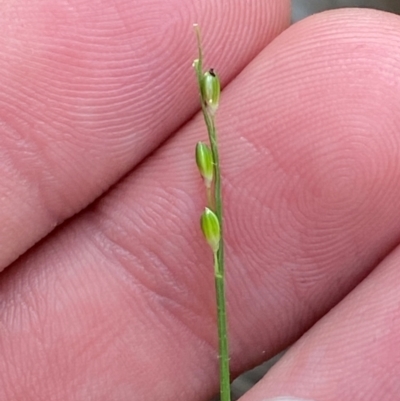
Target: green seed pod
(210, 227)
(204, 161)
(211, 90)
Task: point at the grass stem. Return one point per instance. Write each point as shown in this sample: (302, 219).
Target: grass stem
(214, 197)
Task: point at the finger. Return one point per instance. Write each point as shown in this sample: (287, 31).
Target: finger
(86, 92)
(352, 354)
(310, 201)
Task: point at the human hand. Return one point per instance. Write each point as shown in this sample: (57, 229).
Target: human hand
(118, 303)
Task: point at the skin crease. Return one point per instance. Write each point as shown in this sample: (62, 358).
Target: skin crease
(118, 303)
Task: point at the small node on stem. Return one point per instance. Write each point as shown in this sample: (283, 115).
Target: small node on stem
(210, 227)
(205, 163)
(211, 90)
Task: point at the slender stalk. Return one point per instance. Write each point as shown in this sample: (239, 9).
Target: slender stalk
(225, 385)
(215, 203)
(220, 272)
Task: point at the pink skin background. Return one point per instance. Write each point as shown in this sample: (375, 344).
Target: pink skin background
(98, 122)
